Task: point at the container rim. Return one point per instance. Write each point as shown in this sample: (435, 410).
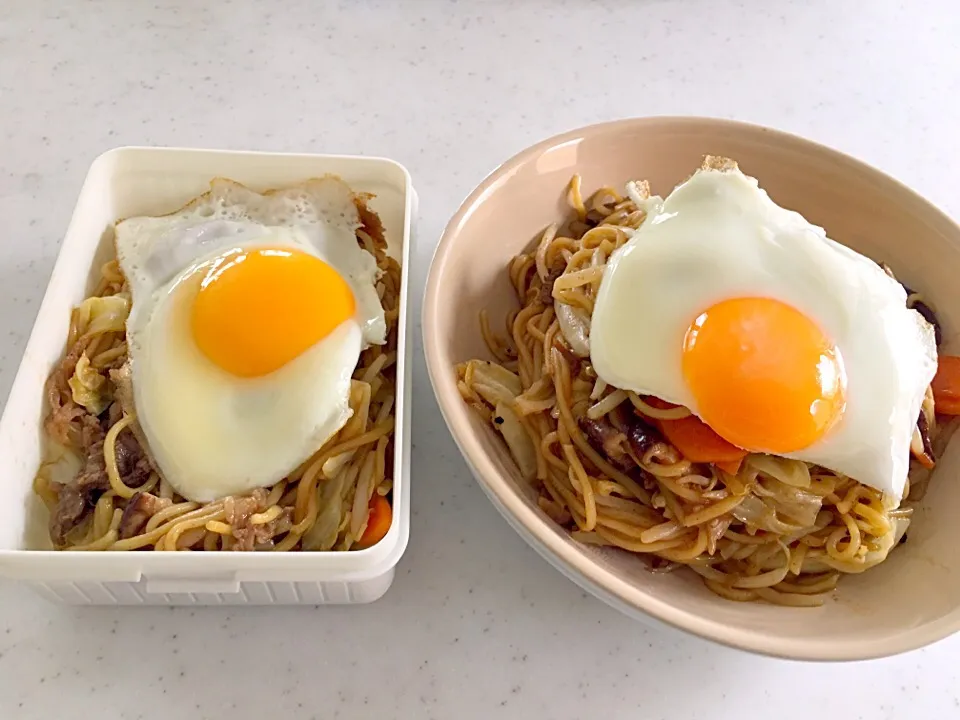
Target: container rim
(356, 565)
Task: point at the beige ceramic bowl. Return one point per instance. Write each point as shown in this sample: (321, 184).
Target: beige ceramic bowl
(911, 600)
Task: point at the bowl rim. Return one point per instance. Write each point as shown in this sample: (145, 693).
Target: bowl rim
(592, 575)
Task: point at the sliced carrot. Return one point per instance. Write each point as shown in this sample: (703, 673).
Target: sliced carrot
(730, 466)
(656, 402)
(947, 406)
(925, 461)
(381, 515)
(697, 442)
(946, 385)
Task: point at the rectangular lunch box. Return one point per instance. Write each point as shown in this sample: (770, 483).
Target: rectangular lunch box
(142, 181)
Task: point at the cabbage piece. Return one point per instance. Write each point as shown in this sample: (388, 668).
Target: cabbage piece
(755, 512)
(790, 472)
(782, 486)
(88, 387)
(575, 327)
(520, 444)
(98, 315)
(60, 464)
(494, 383)
(793, 504)
(323, 534)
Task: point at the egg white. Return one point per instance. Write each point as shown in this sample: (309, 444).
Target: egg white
(213, 434)
(719, 236)
(318, 217)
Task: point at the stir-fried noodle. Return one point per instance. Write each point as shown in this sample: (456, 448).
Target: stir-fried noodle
(777, 530)
(117, 500)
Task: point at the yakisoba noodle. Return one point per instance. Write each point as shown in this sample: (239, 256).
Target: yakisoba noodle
(323, 505)
(541, 392)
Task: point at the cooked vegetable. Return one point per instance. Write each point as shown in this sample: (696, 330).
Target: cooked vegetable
(378, 522)
(88, 387)
(641, 435)
(575, 327)
(791, 503)
(946, 385)
(520, 444)
(790, 472)
(755, 512)
(697, 442)
(730, 466)
(624, 441)
(323, 534)
(61, 465)
(98, 315)
(493, 382)
(607, 440)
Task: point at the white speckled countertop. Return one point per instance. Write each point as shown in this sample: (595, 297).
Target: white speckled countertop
(476, 625)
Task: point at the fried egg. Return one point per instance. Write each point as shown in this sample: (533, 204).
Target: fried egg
(248, 319)
(780, 339)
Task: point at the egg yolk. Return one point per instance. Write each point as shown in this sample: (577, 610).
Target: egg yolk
(763, 374)
(258, 310)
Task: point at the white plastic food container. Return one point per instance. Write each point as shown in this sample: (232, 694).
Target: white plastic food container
(140, 181)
